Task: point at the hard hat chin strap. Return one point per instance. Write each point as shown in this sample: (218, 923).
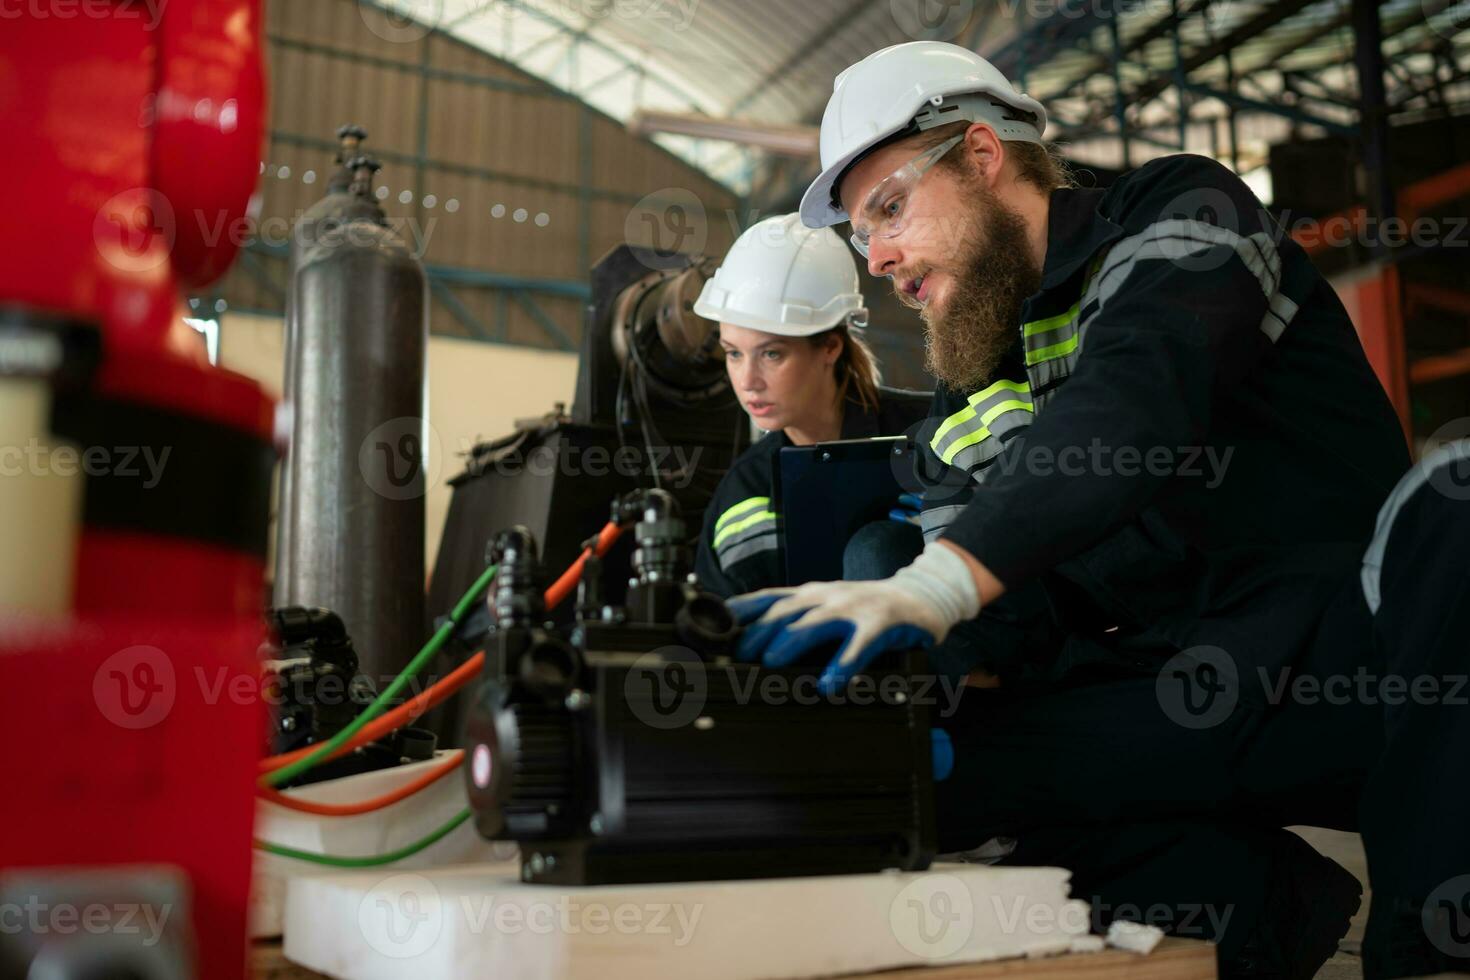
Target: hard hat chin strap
(1008, 122)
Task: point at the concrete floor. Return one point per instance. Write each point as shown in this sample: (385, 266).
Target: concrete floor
(1346, 850)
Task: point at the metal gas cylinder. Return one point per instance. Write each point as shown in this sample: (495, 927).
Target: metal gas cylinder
(351, 511)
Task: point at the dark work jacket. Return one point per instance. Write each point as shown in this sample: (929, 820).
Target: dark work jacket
(740, 547)
(1188, 446)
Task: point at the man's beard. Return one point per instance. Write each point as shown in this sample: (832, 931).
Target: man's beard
(993, 276)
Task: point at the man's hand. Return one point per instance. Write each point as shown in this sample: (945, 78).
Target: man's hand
(915, 608)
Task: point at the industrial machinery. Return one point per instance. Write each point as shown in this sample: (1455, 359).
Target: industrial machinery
(653, 404)
(135, 531)
(315, 688)
(630, 747)
(351, 531)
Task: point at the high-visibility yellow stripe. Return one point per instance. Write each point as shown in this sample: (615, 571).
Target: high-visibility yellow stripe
(743, 524)
(983, 433)
(1050, 323)
(1053, 352)
(968, 412)
(749, 503)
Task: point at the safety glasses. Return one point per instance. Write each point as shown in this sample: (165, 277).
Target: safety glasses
(882, 213)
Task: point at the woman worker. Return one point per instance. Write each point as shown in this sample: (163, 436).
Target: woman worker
(789, 308)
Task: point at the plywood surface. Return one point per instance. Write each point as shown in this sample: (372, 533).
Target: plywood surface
(1175, 959)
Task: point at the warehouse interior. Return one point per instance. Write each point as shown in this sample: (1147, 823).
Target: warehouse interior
(390, 497)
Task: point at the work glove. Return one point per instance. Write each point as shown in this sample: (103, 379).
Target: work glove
(907, 511)
(915, 608)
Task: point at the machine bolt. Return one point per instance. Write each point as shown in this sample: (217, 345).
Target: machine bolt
(288, 723)
(595, 824)
(538, 864)
(578, 700)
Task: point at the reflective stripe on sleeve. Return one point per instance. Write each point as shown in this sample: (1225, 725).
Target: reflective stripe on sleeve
(988, 415)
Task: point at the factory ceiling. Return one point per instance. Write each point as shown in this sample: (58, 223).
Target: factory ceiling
(1103, 67)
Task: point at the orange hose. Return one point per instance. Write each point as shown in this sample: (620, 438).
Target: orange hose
(391, 721)
(437, 693)
(563, 586)
(364, 806)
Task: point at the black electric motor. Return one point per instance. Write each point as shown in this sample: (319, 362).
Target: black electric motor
(633, 748)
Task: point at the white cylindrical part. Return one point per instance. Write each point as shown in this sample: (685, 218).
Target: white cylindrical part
(40, 505)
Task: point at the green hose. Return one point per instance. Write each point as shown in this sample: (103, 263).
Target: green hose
(391, 692)
(372, 860)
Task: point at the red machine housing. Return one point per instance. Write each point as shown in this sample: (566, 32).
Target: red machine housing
(137, 130)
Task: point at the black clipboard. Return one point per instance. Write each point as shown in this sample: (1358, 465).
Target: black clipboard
(825, 492)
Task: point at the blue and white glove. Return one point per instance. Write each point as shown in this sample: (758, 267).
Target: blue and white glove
(907, 511)
(915, 608)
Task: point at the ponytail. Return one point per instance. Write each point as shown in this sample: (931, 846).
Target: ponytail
(858, 376)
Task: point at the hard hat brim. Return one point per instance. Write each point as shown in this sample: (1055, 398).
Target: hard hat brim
(817, 209)
(764, 325)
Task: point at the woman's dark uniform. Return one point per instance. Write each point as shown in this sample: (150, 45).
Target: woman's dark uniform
(740, 546)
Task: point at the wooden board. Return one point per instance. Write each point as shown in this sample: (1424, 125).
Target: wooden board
(1175, 959)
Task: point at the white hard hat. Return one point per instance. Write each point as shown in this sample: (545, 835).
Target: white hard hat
(919, 85)
(787, 279)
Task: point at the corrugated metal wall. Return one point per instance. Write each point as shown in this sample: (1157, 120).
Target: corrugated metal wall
(487, 168)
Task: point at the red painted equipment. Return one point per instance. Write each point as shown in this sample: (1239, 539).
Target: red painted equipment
(135, 131)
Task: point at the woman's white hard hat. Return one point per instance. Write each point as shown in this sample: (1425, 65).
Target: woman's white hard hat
(784, 278)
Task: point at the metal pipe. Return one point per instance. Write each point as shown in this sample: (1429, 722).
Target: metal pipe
(1120, 100)
(1368, 58)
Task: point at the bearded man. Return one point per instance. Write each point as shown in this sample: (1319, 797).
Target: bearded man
(1156, 411)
